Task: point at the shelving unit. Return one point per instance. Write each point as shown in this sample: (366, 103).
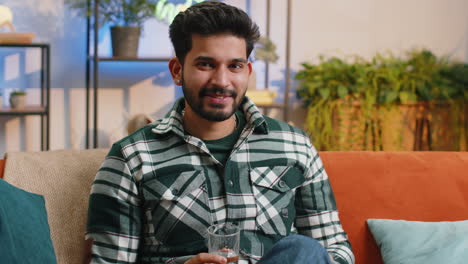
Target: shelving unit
(93, 60)
(92, 63)
(41, 110)
(284, 106)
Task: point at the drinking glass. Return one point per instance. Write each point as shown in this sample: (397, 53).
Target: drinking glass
(223, 240)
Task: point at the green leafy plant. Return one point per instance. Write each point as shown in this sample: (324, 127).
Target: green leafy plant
(17, 93)
(266, 50)
(118, 12)
(349, 99)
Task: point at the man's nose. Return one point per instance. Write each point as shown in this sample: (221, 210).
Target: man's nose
(220, 78)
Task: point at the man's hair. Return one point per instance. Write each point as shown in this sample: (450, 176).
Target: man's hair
(211, 18)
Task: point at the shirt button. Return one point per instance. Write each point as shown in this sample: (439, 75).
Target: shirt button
(231, 183)
(175, 191)
(282, 184)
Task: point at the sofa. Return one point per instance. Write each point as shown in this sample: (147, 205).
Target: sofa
(414, 186)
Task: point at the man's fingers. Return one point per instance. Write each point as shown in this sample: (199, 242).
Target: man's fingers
(206, 258)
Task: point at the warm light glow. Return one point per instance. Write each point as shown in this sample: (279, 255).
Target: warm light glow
(167, 11)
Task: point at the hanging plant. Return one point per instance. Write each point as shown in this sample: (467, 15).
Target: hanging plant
(349, 100)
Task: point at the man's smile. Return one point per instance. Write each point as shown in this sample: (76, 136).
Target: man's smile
(218, 97)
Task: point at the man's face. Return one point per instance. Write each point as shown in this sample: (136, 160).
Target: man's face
(215, 76)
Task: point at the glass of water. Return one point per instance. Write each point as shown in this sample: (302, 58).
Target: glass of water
(223, 240)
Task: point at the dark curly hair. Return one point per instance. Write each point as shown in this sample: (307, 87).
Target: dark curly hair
(210, 18)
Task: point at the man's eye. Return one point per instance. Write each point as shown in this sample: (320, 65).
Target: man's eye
(204, 64)
(237, 66)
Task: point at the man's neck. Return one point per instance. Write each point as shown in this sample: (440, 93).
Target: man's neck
(207, 130)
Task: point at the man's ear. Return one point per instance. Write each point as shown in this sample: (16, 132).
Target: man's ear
(249, 64)
(175, 67)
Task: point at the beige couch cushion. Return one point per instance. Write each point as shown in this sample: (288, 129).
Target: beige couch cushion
(64, 178)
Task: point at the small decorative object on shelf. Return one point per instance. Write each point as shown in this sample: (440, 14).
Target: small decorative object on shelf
(262, 97)
(138, 121)
(6, 18)
(18, 99)
(125, 18)
(12, 37)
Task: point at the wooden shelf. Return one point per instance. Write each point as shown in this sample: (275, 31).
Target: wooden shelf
(273, 105)
(16, 38)
(28, 110)
(154, 59)
(41, 110)
(23, 45)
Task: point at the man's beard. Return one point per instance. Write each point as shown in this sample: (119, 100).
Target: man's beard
(197, 104)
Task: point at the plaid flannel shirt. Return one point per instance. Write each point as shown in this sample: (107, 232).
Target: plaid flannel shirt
(159, 189)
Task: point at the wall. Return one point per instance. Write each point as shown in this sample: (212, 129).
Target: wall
(365, 27)
(336, 27)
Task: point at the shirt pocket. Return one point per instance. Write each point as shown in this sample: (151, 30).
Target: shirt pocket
(274, 189)
(176, 204)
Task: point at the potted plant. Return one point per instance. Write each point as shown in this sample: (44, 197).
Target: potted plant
(265, 50)
(125, 18)
(18, 99)
(386, 103)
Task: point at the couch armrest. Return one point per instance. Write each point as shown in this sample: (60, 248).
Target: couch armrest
(417, 186)
(64, 178)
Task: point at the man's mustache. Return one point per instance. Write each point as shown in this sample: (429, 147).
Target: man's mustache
(216, 90)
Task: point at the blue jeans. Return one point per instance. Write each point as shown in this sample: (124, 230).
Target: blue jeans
(296, 249)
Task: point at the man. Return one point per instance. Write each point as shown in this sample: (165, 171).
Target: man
(214, 159)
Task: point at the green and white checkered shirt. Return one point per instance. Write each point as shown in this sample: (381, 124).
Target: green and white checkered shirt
(159, 189)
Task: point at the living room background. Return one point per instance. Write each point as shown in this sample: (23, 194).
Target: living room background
(338, 27)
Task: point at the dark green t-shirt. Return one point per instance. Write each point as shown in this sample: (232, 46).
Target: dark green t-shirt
(221, 148)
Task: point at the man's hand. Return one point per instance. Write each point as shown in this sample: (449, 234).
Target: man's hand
(206, 258)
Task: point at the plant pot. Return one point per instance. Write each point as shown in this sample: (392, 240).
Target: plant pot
(415, 126)
(18, 101)
(125, 41)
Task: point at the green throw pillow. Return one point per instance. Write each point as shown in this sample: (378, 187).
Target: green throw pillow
(412, 242)
(24, 230)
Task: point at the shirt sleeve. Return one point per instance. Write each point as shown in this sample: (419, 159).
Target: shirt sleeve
(317, 214)
(114, 214)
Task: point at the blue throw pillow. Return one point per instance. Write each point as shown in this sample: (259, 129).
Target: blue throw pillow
(412, 242)
(24, 230)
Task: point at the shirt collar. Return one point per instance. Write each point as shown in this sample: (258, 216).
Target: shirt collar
(173, 119)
